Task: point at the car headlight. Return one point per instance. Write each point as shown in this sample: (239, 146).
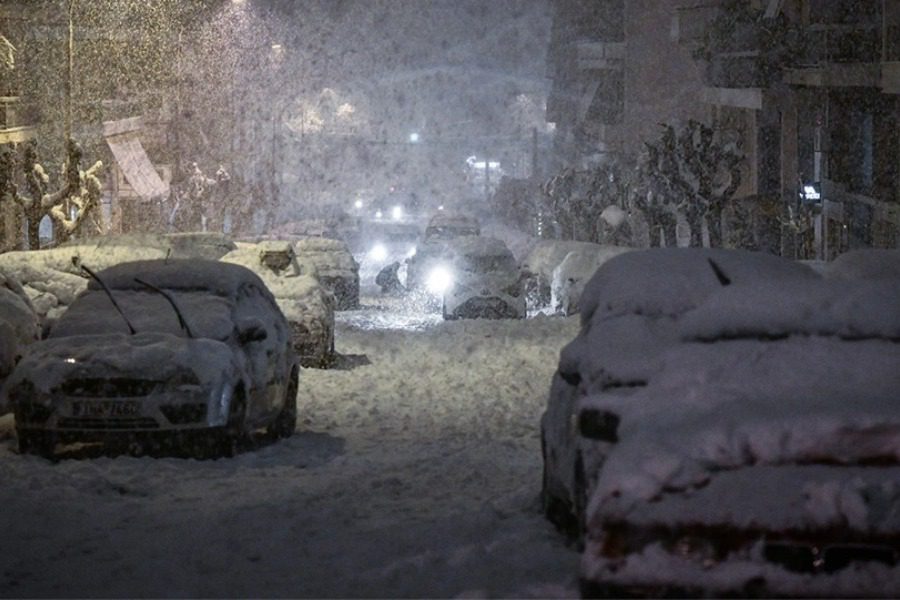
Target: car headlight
(378, 252)
(220, 404)
(439, 280)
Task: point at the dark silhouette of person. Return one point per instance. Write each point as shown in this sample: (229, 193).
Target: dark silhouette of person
(388, 280)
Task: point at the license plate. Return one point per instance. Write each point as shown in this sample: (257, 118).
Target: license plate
(106, 408)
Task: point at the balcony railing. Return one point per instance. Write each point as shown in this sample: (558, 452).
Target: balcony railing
(823, 44)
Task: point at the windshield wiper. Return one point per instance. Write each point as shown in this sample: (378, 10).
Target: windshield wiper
(93, 275)
(171, 300)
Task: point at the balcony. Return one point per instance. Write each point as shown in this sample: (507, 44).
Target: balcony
(840, 55)
(599, 55)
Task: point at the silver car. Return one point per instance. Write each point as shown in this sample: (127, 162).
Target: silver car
(191, 349)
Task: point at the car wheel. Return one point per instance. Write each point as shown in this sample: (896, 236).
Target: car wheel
(41, 443)
(286, 421)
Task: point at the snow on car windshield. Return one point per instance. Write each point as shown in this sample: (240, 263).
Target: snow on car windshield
(207, 315)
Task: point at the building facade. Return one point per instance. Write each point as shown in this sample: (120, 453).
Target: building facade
(811, 88)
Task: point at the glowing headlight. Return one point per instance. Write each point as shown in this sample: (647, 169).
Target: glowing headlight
(378, 252)
(397, 212)
(439, 280)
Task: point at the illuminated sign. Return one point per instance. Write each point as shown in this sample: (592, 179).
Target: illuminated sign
(811, 193)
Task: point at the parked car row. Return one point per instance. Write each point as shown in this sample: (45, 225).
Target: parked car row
(726, 423)
(270, 305)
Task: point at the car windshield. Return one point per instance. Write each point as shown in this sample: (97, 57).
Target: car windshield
(208, 316)
(487, 263)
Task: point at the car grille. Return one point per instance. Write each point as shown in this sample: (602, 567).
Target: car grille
(106, 424)
(108, 387)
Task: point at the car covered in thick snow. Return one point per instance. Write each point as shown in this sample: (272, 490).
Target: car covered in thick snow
(336, 268)
(570, 276)
(541, 261)
(630, 310)
(763, 457)
(194, 350)
(19, 327)
(483, 280)
(307, 304)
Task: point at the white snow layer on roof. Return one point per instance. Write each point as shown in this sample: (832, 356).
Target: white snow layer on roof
(217, 277)
(670, 281)
(870, 263)
(792, 368)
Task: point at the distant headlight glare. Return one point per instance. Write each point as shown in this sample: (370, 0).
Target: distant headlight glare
(378, 252)
(439, 280)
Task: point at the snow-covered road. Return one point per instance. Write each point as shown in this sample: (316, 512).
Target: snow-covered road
(415, 472)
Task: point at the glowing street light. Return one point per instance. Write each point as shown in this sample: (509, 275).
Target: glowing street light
(414, 137)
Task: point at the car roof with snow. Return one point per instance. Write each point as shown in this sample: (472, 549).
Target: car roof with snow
(669, 281)
(477, 245)
(216, 277)
(454, 224)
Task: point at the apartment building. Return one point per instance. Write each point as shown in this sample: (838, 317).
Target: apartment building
(811, 87)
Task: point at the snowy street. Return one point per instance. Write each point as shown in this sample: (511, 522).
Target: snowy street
(414, 472)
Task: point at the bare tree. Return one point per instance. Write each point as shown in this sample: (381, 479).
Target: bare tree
(73, 208)
(694, 172)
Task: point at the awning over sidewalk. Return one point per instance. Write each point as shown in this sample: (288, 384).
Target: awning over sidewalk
(123, 140)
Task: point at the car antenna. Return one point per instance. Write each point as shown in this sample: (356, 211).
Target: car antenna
(171, 300)
(720, 274)
(106, 289)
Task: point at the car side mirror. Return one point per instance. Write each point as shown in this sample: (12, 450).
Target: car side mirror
(251, 330)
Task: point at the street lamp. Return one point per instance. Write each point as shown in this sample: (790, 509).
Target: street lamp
(414, 137)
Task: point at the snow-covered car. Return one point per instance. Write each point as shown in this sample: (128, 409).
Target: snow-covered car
(630, 311)
(540, 262)
(570, 276)
(436, 248)
(484, 281)
(19, 328)
(337, 270)
(869, 263)
(763, 458)
(181, 349)
(448, 225)
(308, 306)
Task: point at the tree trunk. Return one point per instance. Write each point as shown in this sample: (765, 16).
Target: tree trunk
(714, 226)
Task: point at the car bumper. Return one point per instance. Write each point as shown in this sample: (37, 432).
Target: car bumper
(656, 572)
(70, 415)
